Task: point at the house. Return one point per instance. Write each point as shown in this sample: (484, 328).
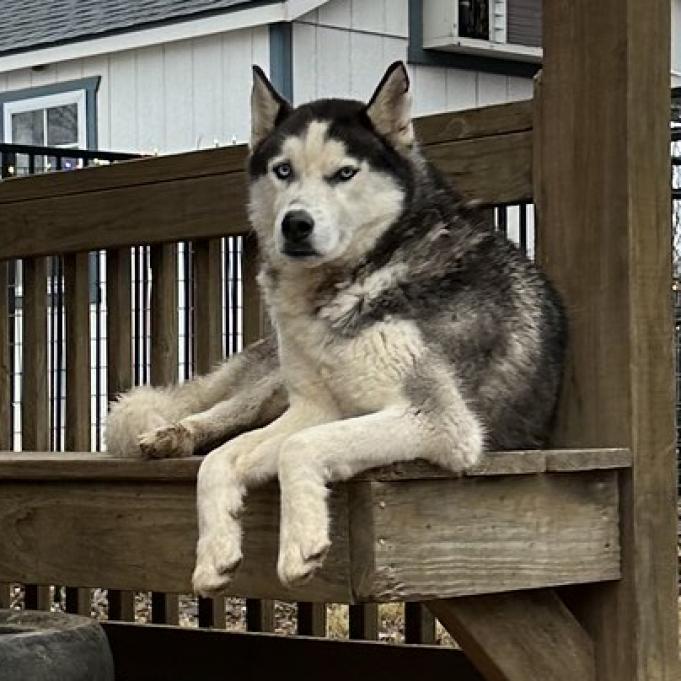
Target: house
(168, 75)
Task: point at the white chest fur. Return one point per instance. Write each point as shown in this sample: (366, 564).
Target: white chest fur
(356, 373)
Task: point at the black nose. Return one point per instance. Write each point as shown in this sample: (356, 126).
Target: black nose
(297, 226)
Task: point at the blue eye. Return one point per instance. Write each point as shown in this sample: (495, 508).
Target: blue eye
(283, 170)
(345, 173)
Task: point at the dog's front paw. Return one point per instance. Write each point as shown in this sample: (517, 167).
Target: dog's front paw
(302, 554)
(217, 559)
(168, 442)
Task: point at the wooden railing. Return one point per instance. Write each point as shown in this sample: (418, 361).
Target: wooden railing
(197, 197)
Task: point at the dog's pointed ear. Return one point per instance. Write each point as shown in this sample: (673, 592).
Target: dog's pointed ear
(389, 108)
(268, 107)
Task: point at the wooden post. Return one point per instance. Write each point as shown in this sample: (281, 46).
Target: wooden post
(119, 372)
(164, 357)
(35, 419)
(77, 296)
(519, 636)
(5, 394)
(207, 262)
(604, 211)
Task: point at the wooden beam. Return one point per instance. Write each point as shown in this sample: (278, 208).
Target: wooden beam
(518, 637)
(391, 541)
(119, 373)
(486, 152)
(604, 211)
(143, 652)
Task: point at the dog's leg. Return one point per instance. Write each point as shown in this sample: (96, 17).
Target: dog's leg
(145, 409)
(224, 476)
(309, 460)
(254, 407)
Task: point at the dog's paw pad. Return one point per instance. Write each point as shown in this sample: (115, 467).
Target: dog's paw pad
(168, 442)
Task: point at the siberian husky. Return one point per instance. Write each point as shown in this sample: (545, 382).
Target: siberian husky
(405, 327)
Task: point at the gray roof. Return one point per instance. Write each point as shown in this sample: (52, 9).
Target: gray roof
(32, 24)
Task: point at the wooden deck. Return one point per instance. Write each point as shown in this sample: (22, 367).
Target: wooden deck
(410, 532)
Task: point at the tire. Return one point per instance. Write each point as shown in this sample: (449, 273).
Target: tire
(43, 646)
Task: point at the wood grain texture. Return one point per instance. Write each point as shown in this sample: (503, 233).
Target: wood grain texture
(99, 466)
(604, 209)
(488, 121)
(397, 540)
(207, 261)
(77, 304)
(491, 535)
(119, 372)
(520, 636)
(143, 537)
(35, 421)
(255, 322)
(5, 379)
(208, 311)
(5, 363)
(197, 195)
(164, 361)
(77, 308)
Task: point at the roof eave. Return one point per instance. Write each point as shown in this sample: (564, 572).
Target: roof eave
(285, 10)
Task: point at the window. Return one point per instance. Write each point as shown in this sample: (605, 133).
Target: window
(508, 29)
(60, 115)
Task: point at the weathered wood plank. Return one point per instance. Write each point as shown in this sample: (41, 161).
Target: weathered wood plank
(413, 540)
(363, 621)
(207, 260)
(35, 418)
(520, 636)
(77, 307)
(419, 624)
(6, 435)
(99, 466)
(208, 309)
(173, 199)
(604, 205)
(144, 652)
(311, 619)
(486, 121)
(119, 372)
(489, 170)
(143, 537)
(491, 535)
(164, 362)
(35, 421)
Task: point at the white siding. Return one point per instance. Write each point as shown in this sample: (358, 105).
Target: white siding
(344, 47)
(176, 97)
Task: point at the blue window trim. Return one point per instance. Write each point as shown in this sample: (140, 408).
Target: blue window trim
(281, 58)
(90, 85)
(416, 54)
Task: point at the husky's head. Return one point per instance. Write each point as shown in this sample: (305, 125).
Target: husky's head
(328, 177)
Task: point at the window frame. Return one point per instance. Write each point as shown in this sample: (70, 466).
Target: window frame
(82, 92)
(475, 54)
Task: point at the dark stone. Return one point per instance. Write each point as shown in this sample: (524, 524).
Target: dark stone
(44, 646)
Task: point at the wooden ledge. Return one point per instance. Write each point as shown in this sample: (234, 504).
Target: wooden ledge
(522, 520)
(98, 466)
